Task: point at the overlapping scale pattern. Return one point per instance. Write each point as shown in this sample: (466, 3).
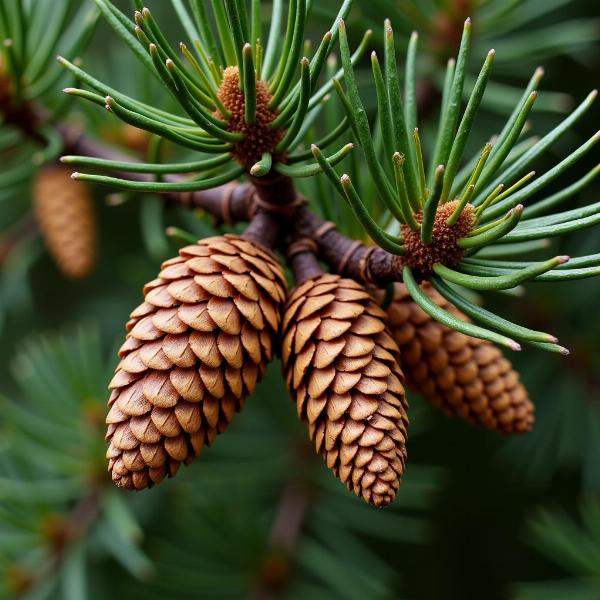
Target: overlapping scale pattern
(465, 376)
(64, 210)
(341, 367)
(194, 351)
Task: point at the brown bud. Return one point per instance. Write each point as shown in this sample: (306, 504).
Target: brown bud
(444, 246)
(341, 367)
(65, 212)
(195, 350)
(258, 138)
(465, 376)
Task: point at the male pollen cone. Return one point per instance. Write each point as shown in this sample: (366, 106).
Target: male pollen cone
(443, 248)
(195, 349)
(466, 377)
(341, 367)
(65, 213)
(259, 137)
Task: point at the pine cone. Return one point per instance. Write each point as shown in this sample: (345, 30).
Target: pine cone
(341, 366)
(65, 212)
(195, 350)
(466, 377)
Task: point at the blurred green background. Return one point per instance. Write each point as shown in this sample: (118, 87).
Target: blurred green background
(478, 516)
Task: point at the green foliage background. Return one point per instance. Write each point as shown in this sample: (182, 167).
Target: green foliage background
(478, 517)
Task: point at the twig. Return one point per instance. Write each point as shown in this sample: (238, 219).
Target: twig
(240, 202)
(285, 531)
(290, 515)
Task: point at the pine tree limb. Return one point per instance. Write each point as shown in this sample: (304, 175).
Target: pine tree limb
(239, 202)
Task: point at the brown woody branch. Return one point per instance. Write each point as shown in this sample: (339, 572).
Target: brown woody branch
(367, 264)
(267, 204)
(278, 214)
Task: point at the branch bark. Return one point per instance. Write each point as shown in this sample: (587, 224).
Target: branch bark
(240, 202)
(288, 220)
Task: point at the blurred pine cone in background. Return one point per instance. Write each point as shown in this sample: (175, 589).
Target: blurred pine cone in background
(65, 212)
(466, 377)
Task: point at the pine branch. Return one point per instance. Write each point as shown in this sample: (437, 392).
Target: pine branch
(239, 202)
(76, 526)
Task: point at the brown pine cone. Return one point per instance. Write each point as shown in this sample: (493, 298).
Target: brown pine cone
(341, 366)
(466, 377)
(195, 350)
(65, 212)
